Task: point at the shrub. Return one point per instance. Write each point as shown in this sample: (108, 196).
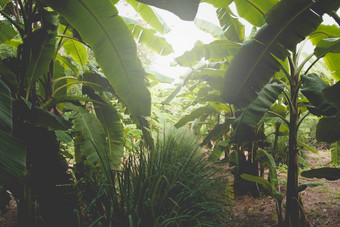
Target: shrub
(170, 185)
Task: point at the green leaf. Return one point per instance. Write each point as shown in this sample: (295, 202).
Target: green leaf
(218, 150)
(328, 129)
(266, 184)
(218, 3)
(254, 11)
(185, 9)
(40, 117)
(113, 128)
(232, 27)
(98, 79)
(251, 116)
(77, 51)
(115, 50)
(6, 123)
(328, 173)
(149, 38)
(150, 16)
(217, 132)
(312, 89)
(271, 43)
(67, 64)
(268, 159)
(307, 147)
(7, 32)
(331, 59)
(63, 137)
(161, 77)
(329, 45)
(12, 161)
(43, 42)
(303, 187)
(209, 27)
(216, 50)
(90, 141)
(335, 153)
(204, 110)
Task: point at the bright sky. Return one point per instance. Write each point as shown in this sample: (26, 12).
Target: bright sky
(184, 34)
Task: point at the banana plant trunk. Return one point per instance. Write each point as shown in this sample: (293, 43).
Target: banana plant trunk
(293, 211)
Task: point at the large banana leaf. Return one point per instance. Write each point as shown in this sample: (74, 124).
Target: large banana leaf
(43, 42)
(254, 11)
(211, 28)
(218, 3)
(7, 32)
(185, 9)
(216, 50)
(12, 161)
(90, 142)
(328, 173)
(232, 27)
(217, 132)
(12, 150)
(331, 59)
(148, 37)
(204, 110)
(150, 16)
(245, 123)
(115, 50)
(312, 89)
(328, 128)
(256, 62)
(110, 120)
(6, 124)
(329, 48)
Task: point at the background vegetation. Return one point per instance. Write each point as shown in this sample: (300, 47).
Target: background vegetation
(80, 111)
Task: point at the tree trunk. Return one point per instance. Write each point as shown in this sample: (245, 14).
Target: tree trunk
(292, 203)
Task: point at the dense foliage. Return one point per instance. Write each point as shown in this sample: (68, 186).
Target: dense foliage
(75, 104)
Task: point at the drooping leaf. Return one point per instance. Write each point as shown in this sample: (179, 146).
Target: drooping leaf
(254, 11)
(98, 79)
(303, 187)
(12, 161)
(185, 9)
(312, 89)
(307, 147)
(328, 173)
(329, 45)
(43, 42)
(7, 32)
(90, 139)
(260, 180)
(6, 124)
(77, 50)
(204, 110)
(159, 76)
(39, 117)
(100, 26)
(67, 64)
(335, 153)
(250, 116)
(268, 159)
(218, 150)
(150, 16)
(282, 31)
(218, 131)
(327, 128)
(149, 38)
(216, 50)
(209, 27)
(218, 3)
(232, 27)
(331, 59)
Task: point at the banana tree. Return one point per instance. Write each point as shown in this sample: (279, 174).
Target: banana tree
(52, 40)
(264, 55)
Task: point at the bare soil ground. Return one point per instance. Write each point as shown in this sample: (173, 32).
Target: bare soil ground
(321, 203)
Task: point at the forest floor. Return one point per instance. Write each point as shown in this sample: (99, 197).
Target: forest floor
(321, 203)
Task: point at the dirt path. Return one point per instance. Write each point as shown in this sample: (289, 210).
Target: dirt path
(321, 203)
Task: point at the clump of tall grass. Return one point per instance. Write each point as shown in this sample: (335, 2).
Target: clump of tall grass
(170, 185)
